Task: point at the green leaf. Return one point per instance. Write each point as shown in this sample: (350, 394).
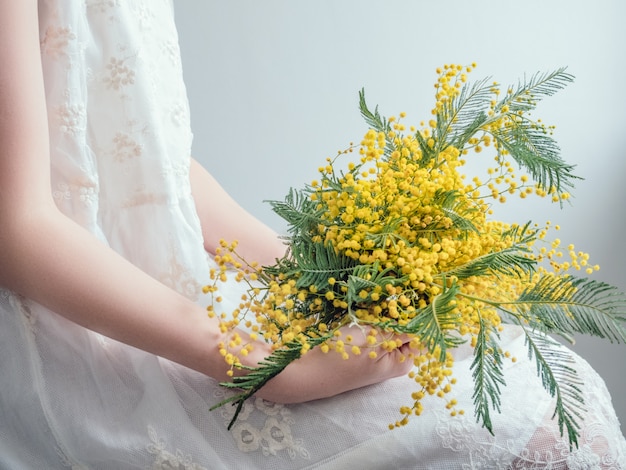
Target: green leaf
(437, 324)
(526, 142)
(257, 377)
(315, 263)
(529, 92)
(367, 277)
(566, 305)
(511, 261)
(462, 117)
(456, 208)
(374, 120)
(487, 374)
(537, 152)
(299, 211)
(556, 369)
(387, 234)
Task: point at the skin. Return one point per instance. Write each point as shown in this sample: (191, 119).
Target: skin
(47, 257)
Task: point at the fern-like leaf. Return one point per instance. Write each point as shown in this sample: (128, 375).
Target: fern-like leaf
(567, 305)
(256, 377)
(556, 369)
(315, 263)
(456, 209)
(511, 261)
(487, 374)
(537, 152)
(462, 117)
(376, 121)
(298, 210)
(367, 277)
(526, 142)
(437, 323)
(528, 93)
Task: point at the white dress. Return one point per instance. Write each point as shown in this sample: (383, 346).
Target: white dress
(69, 398)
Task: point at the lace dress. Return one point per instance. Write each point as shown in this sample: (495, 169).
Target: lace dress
(69, 398)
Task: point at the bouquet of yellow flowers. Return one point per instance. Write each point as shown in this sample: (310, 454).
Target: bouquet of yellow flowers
(401, 241)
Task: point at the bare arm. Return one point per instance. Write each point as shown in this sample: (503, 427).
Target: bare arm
(223, 218)
(317, 375)
(45, 256)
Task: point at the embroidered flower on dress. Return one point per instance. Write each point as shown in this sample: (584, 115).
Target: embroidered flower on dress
(583, 459)
(165, 460)
(101, 5)
(56, 41)
(62, 192)
(179, 278)
(264, 426)
(84, 190)
(145, 17)
(180, 115)
(120, 75)
(88, 195)
(125, 147)
(70, 119)
(171, 51)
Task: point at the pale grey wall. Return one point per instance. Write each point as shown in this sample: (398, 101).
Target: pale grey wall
(273, 88)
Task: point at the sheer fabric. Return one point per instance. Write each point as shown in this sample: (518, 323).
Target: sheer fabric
(70, 398)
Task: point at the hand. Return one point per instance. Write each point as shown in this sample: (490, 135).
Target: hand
(320, 375)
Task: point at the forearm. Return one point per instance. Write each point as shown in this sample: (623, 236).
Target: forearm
(223, 218)
(48, 258)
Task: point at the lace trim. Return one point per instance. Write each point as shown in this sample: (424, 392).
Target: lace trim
(166, 460)
(65, 460)
(583, 459)
(601, 445)
(481, 449)
(264, 426)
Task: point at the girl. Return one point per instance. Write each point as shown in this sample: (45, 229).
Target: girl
(108, 359)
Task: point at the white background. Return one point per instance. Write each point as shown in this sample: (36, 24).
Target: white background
(273, 87)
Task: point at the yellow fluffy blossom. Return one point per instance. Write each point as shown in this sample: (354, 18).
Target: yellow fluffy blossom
(400, 241)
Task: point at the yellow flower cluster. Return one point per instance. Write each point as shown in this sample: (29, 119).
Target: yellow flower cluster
(408, 231)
